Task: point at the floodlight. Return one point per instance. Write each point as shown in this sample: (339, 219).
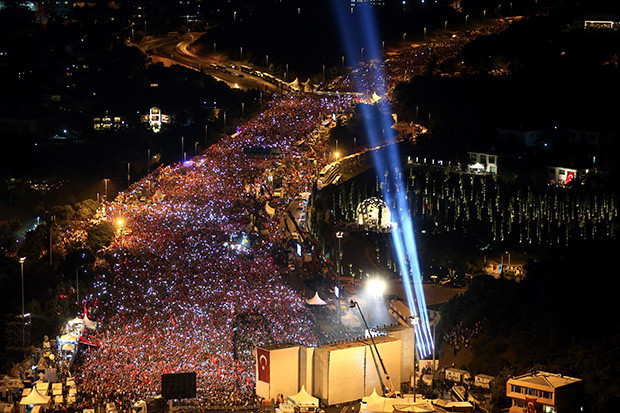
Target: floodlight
(376, 286)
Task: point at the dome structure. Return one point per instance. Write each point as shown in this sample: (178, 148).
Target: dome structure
(373, 214)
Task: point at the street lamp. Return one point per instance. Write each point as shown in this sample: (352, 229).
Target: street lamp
(183, 148)
(339, 235)
(105, 187)
(414, 322)
(77, 284)
(21, 263)
(434, 278)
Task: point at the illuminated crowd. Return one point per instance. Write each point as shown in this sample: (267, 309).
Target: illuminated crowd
(192, 284)
(188, 265)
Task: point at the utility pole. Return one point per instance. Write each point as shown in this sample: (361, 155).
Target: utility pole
(339, 235)
(414, 322)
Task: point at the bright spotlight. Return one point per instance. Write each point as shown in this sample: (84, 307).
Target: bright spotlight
(376, 287)
(120, 222)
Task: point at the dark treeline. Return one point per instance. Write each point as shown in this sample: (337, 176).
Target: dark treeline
(561, 318)
(489, 210)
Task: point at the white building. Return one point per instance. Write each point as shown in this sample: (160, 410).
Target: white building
(545, 392)
(560, 175)
(457, 375)
(483, 162)
(483, 381)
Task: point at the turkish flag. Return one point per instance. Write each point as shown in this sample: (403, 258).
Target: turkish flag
(569, 177)
(531, 405)
(262, 357)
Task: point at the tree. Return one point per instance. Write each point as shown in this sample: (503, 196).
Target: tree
(100, 235)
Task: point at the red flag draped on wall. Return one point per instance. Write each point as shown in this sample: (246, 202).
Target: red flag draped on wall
(263, 364)
(531, 405)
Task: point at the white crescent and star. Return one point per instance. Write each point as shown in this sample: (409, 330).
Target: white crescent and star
(262, 365)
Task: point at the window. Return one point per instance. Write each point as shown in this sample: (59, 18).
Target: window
(562, 172)
(491, 159)
(516, 389)
(531, 392)
(545, 394)
(473, 157)
(483, 158)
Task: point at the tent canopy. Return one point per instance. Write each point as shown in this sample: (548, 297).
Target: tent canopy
(89, 324)
(35, 398)
(316, 300)
(303, 398)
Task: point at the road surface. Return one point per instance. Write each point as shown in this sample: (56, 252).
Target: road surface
(176, 49)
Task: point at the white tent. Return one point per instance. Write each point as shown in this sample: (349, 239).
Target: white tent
(316, 300)
(303, 398)
(42, 387)
(35, 398)
(76, 320)
(477, 167)
(89, 324)
(376, 403)
(67, 338)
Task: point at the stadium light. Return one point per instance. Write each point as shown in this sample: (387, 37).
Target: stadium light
(376, 287)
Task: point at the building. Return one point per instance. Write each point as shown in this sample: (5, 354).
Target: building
(457, 375)
(521, 135)
(560, 175)
(156, 119)
(482, 162)
(589, 139)
(335, 373)
(108, 122)
(483, 381)
(545, 393)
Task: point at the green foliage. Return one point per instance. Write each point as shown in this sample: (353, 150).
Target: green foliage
(86, 209)
(100, 235)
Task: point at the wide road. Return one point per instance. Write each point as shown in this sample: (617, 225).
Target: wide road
(176, 49)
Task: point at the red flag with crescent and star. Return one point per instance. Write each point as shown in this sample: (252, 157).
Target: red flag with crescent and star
(531, 405)
(262, 356)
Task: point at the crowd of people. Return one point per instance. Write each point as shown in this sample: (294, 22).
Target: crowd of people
(460, 337)
(190, 284)
(186, 291)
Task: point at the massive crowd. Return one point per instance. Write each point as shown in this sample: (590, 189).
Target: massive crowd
(193, 285)
(189, 282)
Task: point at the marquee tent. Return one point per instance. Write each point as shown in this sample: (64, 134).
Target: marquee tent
(303, 398)
(316, 300)
(67, 338)
(35, 398)
(89, 324)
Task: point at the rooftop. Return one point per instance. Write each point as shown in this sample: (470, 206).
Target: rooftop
(543, 378)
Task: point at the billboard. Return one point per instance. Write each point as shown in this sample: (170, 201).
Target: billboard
(178, 386)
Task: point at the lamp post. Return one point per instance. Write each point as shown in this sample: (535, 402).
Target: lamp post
(21, 263)
(105, 187)
(339, 235)
(183, 148)
(414, 322)
(434, 278)
(77, 284)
